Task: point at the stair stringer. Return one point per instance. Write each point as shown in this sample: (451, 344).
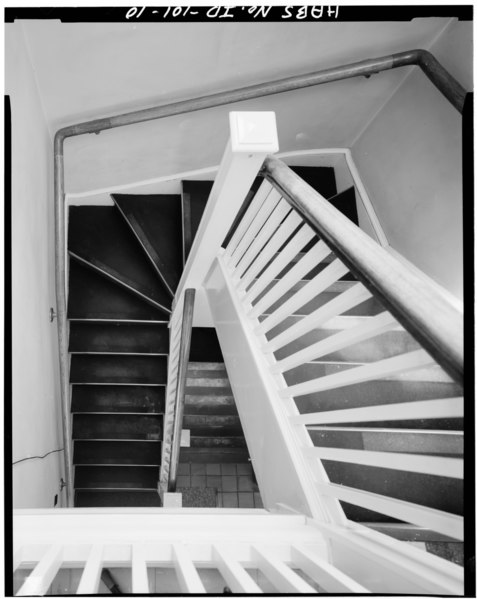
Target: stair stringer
(264, 416)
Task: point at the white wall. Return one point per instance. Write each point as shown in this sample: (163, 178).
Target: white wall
(409, 158)
(92, 70)
(35, 363)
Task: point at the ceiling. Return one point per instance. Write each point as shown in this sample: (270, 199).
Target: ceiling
(89, 70)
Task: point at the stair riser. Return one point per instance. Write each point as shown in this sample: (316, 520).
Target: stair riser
(116, 477)
(120, 338)
(117, 499)
(431, 491)
(226, 455)
(373, 393)
(430, 443)
(118, 369)
(369, 307)
(117, 452)
(91, 426)
(218, 442)
(121, 398)
(380, 347)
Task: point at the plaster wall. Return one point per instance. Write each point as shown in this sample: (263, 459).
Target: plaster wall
(93, 70)
(410, 160)
(35, 399)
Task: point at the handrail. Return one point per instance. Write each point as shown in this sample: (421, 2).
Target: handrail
(177, 383)
(439, 76)
(414, 302)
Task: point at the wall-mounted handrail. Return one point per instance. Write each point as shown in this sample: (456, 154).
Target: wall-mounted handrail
(439, 76)
(418, 306)
(181, 327)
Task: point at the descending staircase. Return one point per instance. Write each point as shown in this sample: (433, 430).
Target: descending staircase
(125, 263)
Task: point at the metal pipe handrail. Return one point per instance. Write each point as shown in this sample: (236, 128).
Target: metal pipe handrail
(183, 363)
(428, 315)
(452, 90)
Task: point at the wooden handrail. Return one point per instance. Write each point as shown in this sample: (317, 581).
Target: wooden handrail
(184, 351)
(448, 86)
(414, 302)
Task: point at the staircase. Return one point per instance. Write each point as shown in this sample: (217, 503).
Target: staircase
(125, 263)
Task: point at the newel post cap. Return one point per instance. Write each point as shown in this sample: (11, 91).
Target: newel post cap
(253, 132)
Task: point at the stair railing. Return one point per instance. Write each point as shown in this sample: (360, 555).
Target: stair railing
(180, 336)
(435, 72)
(291, 230)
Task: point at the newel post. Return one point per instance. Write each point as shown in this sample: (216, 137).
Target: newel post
(253, 135)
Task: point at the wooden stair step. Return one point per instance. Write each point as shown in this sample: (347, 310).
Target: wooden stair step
(156, 223)
(119, 337)
(104, 368)
(117, 426)
(426, 490)
(202, 425)
(116, 477)
(384, 345)
(369, 307)
(432, 443)
(100, 236)
(218, 442)
(209, 404)
(117, 452)
(206, 455)
(118, 398)
(136, 498)
(93, 297)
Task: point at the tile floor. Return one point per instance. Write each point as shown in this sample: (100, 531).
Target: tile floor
(235, 483)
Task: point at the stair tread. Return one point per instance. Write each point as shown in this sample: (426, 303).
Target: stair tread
(136, 498)
(116, 477)
(156, 221)
(117, 427)
(117, 398)
(131, 369)
(118, 338)
(117, 452)
(92, 296)
(99, 236)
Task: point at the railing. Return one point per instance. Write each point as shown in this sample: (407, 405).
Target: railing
(179, 343)
(444, 82)
(272, 238)
(161, 551)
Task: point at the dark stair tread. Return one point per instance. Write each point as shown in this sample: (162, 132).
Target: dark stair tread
(119, 337)
(203, 425)
(194, 199)
(92, 296)
(218, 442)
(117, 452)
(99, 236)
(205, 346)
(156, 221)
(104, 368)
(118, 398)
(421, 489)
(117, 427)
(116, 477)
(321, 178)
(214, 456)
(117, 499)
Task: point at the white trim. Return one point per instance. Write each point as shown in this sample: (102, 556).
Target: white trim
(368, 206)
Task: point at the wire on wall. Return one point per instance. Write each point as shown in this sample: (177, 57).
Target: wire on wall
(36, 457)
